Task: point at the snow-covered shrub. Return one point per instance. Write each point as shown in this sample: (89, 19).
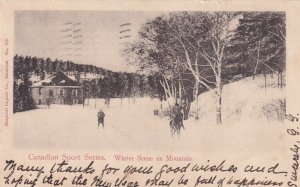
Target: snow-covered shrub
(274, 110)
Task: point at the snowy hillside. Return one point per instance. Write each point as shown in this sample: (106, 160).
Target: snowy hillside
(131, 125)
(246, 99)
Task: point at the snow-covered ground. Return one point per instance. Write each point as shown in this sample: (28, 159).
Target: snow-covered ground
(132, 125)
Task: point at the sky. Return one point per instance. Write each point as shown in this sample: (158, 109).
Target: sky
(85, 37)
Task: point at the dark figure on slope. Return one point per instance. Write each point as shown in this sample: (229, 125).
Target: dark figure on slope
(107, 102)
(176, 119)
(101, 116)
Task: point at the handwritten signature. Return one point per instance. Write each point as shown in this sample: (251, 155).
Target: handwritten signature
(294, 149)
(295, 166)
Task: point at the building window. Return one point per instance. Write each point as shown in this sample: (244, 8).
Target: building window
(40, 101)
(75, 101)
(75, 92)
(40, 91)
(50, 93)
(61, 92)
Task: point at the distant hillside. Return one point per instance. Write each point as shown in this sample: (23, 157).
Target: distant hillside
(40, 67)
(97, 82)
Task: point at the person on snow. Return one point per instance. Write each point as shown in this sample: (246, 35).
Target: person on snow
(107, 101)
(101, 116)
(177, 116)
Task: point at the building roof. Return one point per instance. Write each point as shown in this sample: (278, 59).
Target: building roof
(56, 79)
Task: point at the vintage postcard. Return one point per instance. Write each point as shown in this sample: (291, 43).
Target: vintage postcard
(150, 93)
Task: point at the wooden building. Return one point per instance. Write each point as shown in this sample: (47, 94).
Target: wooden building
(57, 89)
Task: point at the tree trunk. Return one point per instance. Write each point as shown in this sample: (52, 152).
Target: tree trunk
(197, 108)
(179, 92)
(187, 110)
(219, 88)
(257, 59)
(265, 75)
(197, 100)
(219, 108)
(278, 79)
(161, 104)
(281, 80)
(83, 100)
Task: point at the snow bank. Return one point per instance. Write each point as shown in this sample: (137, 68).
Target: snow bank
(245, 100)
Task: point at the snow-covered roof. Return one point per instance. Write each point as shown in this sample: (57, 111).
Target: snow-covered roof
(56, 79)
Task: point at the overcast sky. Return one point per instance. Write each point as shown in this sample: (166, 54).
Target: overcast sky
(86, 37)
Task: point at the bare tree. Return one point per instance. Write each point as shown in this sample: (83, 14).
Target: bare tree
(155, 53)
(182, 43)
(204, 38)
